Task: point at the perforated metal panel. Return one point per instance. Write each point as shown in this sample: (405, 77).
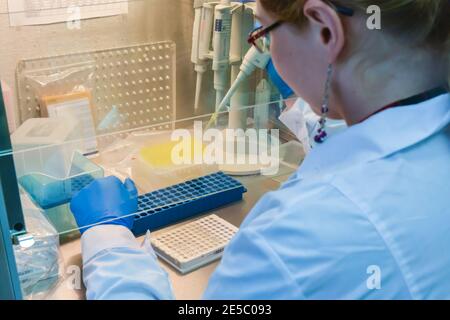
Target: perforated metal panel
(138, 80)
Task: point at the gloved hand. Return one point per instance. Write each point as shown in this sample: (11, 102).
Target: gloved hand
(277, 81)
(105, 201)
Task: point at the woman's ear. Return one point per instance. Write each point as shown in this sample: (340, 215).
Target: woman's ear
(327, 23)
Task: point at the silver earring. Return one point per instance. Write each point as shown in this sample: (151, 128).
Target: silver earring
(321, 133)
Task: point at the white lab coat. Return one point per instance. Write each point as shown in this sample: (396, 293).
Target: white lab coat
(367, 216)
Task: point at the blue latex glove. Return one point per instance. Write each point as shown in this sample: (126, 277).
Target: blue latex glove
(284, 89)
(105, 201)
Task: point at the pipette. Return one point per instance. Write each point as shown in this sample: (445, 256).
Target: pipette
(242, 24)
(252, 60)
(201, 38)
(221, 48)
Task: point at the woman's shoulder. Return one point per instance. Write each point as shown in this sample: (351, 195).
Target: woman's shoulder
(301, 204)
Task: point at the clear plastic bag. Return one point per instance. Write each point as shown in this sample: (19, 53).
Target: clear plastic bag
(67, 91)
(40, 266)
(67, 79)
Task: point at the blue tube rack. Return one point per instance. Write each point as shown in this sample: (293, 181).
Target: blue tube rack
(167, 206)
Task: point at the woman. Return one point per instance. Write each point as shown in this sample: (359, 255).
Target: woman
(367, 214)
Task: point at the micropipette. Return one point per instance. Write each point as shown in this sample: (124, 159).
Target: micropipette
(242, 24)
(221, 48)
(201, 38)
(252, 60)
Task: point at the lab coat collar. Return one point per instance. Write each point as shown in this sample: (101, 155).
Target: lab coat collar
(378, 137)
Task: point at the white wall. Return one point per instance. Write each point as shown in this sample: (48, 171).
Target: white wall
(147, 21)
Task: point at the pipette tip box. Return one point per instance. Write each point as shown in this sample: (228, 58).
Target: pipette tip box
(50, 191)
(167, 206)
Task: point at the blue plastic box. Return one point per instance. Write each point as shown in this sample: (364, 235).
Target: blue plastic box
(48, 191)
(167, 206)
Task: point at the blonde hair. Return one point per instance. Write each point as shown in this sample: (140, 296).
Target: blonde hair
(417, 22)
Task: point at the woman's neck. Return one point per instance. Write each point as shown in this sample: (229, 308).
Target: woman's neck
(384, 83)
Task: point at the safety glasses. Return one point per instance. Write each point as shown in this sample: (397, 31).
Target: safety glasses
(259, 37)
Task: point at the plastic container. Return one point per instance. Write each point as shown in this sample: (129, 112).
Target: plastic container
(51, 191)
(48, 164)
(64, 222)
(153, 168)
(42, 145)
(45, 131)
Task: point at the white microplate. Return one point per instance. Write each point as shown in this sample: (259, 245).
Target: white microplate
(195, 244)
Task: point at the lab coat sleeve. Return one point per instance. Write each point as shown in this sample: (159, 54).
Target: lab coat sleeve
(250, 269)
(116, 266)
